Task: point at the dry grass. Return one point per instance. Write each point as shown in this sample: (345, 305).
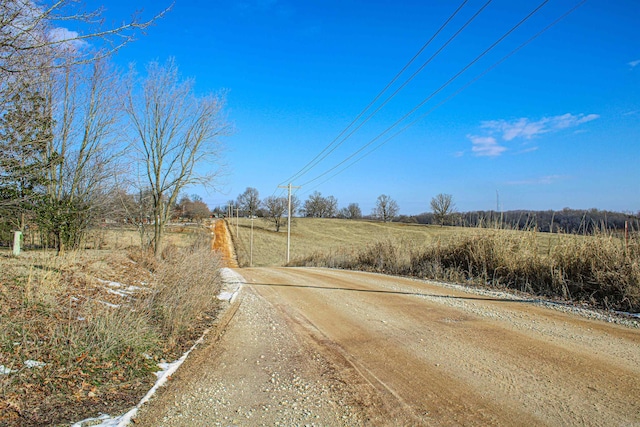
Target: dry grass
(311, 235)
(344, 237)
(100, 321)
(598, 269)
(117, 238)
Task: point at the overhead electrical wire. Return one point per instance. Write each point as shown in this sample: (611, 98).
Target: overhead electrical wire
(317, 158)
(424, 101)
(457, 92)
(370, 116)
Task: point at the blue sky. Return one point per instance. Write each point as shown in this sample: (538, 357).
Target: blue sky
(556, 124)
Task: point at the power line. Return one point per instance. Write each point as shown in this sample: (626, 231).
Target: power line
(478, 77)
(428, 98)
(318, 157)
(403, 85)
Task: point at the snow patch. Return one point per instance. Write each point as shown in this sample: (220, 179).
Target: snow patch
(229, 276)
(33, 364)
(6, 371)
(120, 288)
(231, 285)
(108, 304)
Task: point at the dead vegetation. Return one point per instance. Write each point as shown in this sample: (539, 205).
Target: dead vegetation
(82, 333)
(601, 270)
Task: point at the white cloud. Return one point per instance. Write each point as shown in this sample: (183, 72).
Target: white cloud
(635, 63)
(523, 129)
(485, 146)
(67, 38)
(527, 129)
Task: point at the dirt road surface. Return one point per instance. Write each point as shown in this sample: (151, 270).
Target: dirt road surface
(336, 348)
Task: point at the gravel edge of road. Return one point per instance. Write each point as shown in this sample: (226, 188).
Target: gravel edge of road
(621, 318)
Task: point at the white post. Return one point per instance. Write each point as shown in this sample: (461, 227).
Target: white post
(289, 187)
(251, 245)
(289, 225)
(17, 240)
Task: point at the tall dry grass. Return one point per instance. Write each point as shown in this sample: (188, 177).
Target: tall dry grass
(600, 269)
(98, 343)
(188, 283)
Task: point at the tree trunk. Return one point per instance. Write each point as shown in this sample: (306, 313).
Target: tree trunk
(157, 237)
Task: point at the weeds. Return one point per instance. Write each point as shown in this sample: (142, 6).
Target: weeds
(96, 323)
(189, 283)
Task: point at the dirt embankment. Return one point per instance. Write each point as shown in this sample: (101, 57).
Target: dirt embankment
(222, 243)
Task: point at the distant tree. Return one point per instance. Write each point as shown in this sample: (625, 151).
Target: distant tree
(249, 201)
(193, 208)
(331, 207)
(407, 219)
(317, 206)
(443, 208)
(199, 211)
(386, 208)
(295, 205)
(275, 210)
(352, 211)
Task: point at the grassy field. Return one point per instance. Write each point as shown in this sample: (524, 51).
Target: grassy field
(323, 235)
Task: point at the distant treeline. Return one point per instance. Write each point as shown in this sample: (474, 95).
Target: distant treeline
(566, 220)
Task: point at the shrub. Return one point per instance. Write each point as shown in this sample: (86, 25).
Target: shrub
(188, 283)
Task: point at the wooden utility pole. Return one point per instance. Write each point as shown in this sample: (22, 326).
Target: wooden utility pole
(237, 223)
(289, 187)
(251, 246)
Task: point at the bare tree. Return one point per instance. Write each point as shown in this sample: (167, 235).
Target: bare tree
(31, 30)
(386, 208)
(86, 106)
(443, 207)
(175, 132)
(193, 208)
(317, 206)
(275, 210)
(249, 201)
(352, 211)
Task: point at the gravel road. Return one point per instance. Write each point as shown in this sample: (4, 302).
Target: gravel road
(323, 347)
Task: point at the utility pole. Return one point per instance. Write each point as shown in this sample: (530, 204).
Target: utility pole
(251, 250)
(237, 223)
(289, 187)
